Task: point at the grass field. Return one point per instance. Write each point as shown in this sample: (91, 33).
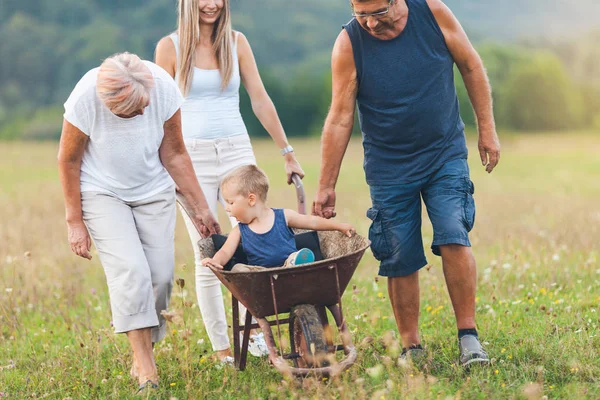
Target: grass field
(535, 240)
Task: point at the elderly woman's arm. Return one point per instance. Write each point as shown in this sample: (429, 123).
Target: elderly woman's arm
(177, 161)
(70, 153)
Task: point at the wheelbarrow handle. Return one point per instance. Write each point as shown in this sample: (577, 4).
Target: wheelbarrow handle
(299, 193)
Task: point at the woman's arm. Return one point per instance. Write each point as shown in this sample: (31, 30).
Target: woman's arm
(70, 153)
(223, 256)
(165, 55)
(177, 162)
(296, 220)
(262, 106)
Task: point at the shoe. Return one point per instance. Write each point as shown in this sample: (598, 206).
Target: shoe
(146, 388)
(472, 352)
(415, 354)
(226, 361)
(303, 256)
(256, 345)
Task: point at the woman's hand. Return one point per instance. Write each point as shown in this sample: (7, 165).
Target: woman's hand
(206, 223)
(292, 166)
(347, 229)
(79, 239)
(209, 261)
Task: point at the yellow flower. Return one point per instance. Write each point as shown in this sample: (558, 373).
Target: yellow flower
(173, 384)
(496, 372)
(428, 308)
(380, 294)
(503, 351)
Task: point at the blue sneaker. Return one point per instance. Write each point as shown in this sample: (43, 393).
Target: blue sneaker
(302, 256)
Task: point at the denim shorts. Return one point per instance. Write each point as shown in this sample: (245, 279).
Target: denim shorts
(395, 231)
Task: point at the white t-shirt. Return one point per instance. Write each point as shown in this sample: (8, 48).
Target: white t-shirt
(121, 157)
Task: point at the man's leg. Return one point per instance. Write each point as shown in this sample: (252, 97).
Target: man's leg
(461, 278)
(396, 241)
(404, 296)
(451, 208)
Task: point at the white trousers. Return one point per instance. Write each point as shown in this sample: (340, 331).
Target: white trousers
(135, 243)
(213, 160)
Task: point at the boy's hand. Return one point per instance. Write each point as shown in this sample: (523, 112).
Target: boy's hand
(209, 261)
(347, 229)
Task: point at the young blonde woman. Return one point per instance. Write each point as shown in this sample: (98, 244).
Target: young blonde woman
(209, 61)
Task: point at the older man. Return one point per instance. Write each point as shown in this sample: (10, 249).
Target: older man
(395, 60)
(120, 151)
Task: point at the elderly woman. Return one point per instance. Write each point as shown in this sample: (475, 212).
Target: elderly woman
(120, 151)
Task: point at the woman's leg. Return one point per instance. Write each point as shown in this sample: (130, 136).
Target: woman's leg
(208, 286)
(155, 222)
(232, 153)
(112, 227)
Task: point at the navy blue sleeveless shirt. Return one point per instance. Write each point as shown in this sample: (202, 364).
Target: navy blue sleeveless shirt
(269, 249)
(407, 103)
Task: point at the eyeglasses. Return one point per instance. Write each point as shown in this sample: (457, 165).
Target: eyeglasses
(377, 14)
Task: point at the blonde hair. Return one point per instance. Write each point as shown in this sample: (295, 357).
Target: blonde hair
(124, 83)
(188, 30)
(248, 179)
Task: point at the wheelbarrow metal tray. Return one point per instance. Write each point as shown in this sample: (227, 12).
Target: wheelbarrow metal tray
(313, 283)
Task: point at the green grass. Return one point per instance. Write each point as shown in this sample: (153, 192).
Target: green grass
(535, 241)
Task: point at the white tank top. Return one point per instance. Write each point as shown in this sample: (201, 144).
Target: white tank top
(209, 112)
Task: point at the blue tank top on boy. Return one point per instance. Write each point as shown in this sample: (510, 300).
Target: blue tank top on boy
(269, 249)
(407, 102)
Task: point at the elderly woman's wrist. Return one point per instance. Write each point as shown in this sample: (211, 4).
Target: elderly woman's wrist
(74, 220)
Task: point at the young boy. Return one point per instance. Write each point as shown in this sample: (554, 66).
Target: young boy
(264, 232)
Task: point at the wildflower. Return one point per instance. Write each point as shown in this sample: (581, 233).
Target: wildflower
(380, 294)
(496, 372)
(173, 384)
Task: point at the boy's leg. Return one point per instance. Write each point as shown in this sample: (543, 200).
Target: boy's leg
(246, 268)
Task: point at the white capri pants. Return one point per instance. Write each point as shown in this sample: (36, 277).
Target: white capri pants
(135, 243)
(213, 160)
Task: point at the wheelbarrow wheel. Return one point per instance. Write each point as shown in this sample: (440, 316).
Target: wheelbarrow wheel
(307, 337)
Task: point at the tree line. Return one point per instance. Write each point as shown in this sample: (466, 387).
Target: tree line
(47, 45)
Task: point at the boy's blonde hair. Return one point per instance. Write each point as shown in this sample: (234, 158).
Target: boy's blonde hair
(248, 179)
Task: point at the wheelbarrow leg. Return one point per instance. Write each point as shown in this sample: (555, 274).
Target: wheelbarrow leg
(244, 349)
(235, 310)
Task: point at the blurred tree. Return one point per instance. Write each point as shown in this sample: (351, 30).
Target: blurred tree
(540, 96)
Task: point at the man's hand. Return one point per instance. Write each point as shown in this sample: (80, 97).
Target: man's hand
(324, 203)
(79, 239)
(489, 149)
(210, 262)
(206, 223)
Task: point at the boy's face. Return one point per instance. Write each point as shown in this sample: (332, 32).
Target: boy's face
(237, 205)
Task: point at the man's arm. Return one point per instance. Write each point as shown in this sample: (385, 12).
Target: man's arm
(178, 164)
(476, 81)
(338, 125)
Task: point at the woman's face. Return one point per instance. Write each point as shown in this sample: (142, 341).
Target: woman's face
(210, 10)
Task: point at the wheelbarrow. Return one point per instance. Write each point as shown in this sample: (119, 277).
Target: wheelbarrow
(304, 293)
